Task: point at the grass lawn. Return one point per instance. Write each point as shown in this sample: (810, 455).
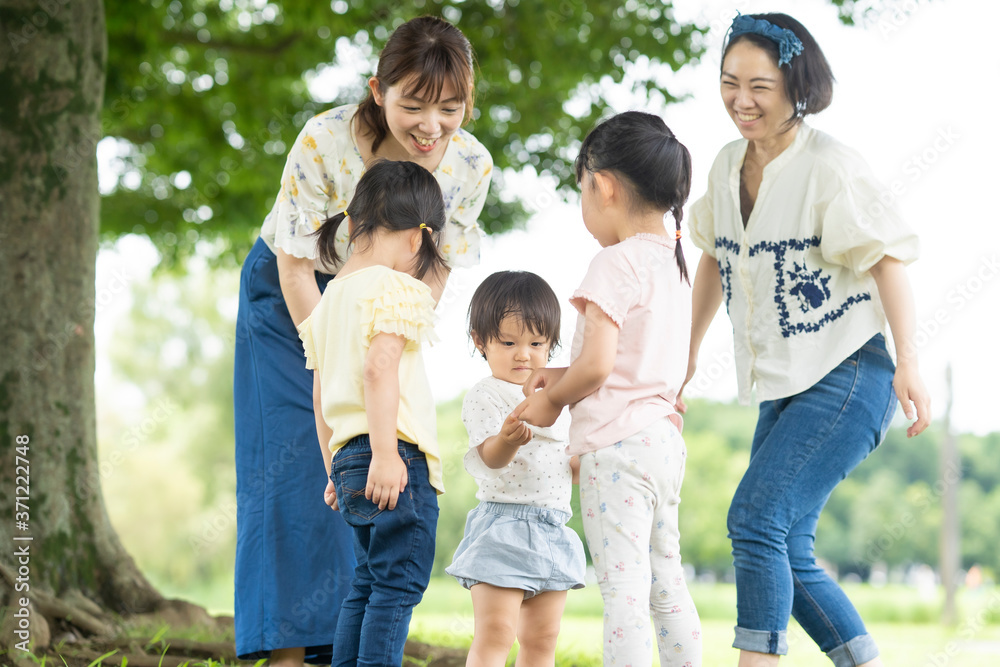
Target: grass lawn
(900, 619)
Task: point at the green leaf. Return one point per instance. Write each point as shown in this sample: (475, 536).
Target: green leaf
(99, 661)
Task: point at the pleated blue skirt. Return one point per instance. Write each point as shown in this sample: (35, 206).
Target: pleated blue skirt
(294, 555)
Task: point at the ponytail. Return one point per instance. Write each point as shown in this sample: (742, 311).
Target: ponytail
(645, 155)
(391, 196)
(429, 257)
(678, 213)
(325, 239)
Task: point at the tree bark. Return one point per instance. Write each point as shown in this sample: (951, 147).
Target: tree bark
(54, 529)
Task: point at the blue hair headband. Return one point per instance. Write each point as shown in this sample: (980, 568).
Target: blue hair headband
(789, 45)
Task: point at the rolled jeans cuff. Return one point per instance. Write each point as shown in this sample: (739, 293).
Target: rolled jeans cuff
(856, 651)
(763, 641)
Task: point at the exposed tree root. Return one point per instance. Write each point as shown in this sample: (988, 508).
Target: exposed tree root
(75, 630)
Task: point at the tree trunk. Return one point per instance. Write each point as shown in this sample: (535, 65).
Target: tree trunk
(58, 545)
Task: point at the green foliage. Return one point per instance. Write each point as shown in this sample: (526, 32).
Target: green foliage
(460, 487)
(208, 97)
(168, 461)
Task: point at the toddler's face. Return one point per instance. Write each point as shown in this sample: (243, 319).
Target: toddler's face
(515, 353)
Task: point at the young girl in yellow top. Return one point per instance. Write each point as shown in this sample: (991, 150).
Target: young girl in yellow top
(374, 412)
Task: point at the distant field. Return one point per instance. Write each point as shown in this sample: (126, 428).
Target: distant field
(900, 619)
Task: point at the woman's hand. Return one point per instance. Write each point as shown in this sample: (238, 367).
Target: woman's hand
(537, 409)
(912, 396)
(897, 299)
(387, 478)
(330, 496)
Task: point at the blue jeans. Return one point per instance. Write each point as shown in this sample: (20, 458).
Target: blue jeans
(395, 553)
(803, 447)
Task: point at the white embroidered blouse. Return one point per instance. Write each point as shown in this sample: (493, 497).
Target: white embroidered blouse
(795, 280)
(324, 167)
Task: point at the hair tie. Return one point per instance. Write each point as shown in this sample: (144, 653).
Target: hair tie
(677, 235)
(423, 225)
(789, 44)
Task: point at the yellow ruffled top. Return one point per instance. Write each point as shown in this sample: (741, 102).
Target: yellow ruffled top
(336, 337)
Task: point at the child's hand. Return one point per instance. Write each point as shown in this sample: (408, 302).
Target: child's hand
(679, 403)
(515, 432)
(537, 409)
(911, 393)
(330, 496)
(386, 480)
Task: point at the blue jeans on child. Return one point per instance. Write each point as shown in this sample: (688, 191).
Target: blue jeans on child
(803, 447)
(395, 552)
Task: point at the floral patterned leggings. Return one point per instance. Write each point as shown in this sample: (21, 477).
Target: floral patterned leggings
(629, 494)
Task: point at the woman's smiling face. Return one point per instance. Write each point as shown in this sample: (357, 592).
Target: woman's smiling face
(421, 128)
(753, 91)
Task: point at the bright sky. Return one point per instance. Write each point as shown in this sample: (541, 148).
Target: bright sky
(913, 93)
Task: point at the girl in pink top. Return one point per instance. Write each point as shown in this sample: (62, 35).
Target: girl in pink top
(628, 362)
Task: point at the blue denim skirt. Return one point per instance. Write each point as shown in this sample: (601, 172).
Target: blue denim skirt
(294, 559)
(519, 546)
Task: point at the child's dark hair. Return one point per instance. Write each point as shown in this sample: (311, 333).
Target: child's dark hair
(394, 196)
(522, 294)
(431, 51)
(808, 77)
(648, 159)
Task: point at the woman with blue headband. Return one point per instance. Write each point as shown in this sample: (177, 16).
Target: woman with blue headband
(810, 263)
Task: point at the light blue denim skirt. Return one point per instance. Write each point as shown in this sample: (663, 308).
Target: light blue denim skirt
(519, 546)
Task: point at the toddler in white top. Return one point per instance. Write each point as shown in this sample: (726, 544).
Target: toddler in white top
(518, 557)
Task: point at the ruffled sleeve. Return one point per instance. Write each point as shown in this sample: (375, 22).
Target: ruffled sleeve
(610, 284)
(483, 413)
(465, 183)
(307, 190)
(308, 344)
(399, 305)
(858, 229)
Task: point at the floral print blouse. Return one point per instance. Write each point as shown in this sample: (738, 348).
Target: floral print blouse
(323, 169)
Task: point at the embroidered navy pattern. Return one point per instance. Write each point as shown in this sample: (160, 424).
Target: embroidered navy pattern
(801, 294)
(809, 286)
(726, 267)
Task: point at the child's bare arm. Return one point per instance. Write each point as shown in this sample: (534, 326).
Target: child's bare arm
(387, 472)
(583, 377)
(705, 301)
(323, 430)
(498, 450)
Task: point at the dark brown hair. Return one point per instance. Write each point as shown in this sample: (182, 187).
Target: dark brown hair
(647, 158)
(808, 77)
(521, 294)
(394, 196)
(430, 51)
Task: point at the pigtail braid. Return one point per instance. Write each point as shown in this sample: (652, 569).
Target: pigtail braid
(325, 237)
(678, 213)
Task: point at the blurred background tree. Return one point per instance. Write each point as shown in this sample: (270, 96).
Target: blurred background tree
(204, 100)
